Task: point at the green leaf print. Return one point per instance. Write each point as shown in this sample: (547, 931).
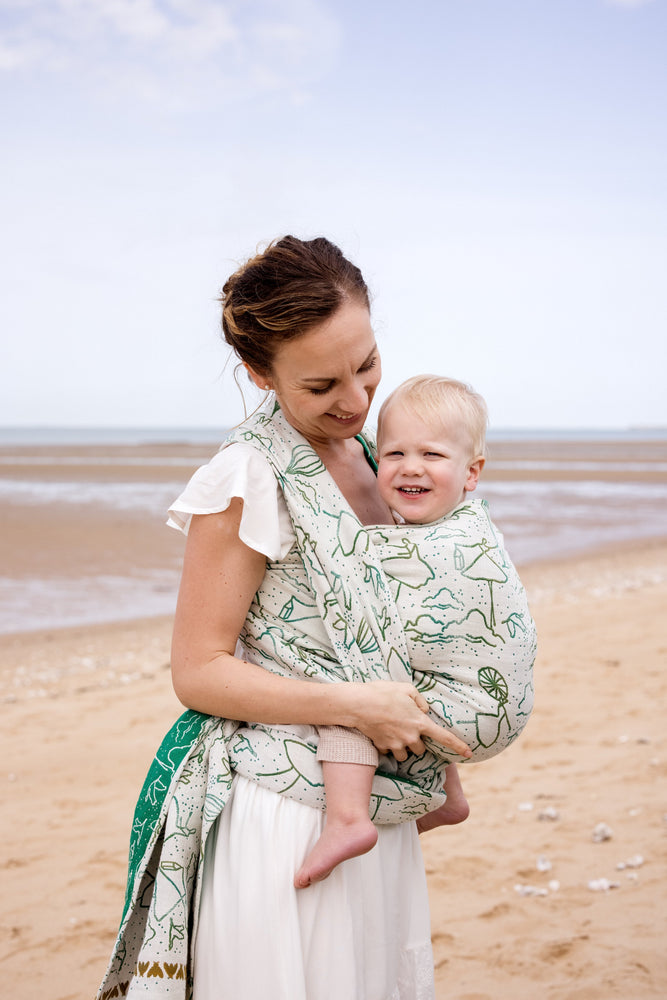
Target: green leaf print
(366, 641)
(308, 549)
(304, 462)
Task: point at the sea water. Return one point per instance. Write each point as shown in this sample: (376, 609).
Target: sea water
(545, 507)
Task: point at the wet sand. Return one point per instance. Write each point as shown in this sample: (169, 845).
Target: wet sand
(83, 710)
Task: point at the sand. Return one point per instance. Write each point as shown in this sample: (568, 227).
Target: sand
(513, 911)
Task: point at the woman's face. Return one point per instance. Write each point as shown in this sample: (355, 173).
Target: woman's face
(325, 380)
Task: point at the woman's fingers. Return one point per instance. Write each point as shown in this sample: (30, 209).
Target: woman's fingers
(421, 702)
(395, 717)
(445, 738)
(436, 732)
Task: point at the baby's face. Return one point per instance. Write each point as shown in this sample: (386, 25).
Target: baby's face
(424, 469)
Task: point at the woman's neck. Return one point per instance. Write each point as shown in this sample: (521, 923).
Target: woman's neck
(346, 462)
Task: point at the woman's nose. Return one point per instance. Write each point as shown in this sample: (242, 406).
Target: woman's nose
(354, 398)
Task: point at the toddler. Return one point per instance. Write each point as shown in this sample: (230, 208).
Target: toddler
(453, 581)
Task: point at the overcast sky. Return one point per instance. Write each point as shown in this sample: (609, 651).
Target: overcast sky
(498, 169)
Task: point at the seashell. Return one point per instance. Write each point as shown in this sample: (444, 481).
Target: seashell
(530, 890)
(549, 814)
(602, 832)
(602, 885)
(636, 861)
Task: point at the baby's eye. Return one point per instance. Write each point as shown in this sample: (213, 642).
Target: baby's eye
(434, 454)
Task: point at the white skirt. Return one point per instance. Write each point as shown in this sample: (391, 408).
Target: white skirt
(361, 934)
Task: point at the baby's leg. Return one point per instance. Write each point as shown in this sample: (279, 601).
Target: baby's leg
(456, 808)
(348, 760)
(348, 830)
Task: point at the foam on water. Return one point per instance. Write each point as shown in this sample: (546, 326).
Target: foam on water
(127, 496)
(36, 603)
(539, 518)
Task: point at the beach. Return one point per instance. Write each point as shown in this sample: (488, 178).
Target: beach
(554, 886)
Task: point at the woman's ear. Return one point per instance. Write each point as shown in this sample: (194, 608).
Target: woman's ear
(474, 470)
(261, 381)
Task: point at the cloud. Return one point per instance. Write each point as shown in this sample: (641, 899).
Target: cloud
(181, 51)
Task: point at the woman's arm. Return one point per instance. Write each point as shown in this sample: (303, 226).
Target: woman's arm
(220, 578)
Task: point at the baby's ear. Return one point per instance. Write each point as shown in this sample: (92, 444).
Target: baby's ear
(474, 470)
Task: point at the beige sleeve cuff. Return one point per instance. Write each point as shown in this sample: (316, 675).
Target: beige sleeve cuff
(345, 746)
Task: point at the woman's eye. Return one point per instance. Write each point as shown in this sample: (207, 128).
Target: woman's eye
(369, 364)
(320, 392)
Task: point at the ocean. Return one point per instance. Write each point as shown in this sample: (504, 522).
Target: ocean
(84, 510)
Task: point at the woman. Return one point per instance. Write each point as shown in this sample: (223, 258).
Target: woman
(298, 318)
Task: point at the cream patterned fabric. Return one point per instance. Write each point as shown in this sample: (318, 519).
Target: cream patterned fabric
(346, 603)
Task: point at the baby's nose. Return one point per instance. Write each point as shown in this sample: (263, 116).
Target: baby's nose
(412, 465)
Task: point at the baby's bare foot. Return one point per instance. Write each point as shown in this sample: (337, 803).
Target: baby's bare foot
(338, 842)
(455, 810)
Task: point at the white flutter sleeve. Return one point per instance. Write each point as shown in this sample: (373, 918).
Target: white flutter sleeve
(239, 470)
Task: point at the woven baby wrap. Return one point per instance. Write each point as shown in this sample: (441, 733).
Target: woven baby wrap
(347, 603)
(439, 605)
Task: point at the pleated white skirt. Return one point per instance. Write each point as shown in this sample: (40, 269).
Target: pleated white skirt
(361, 934)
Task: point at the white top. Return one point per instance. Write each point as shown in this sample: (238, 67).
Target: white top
(239, 470)
(376, 905)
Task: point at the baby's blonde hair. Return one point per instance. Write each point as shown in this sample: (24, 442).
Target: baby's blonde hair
(446, 400)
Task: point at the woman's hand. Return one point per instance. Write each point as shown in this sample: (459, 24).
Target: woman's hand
(395, 717)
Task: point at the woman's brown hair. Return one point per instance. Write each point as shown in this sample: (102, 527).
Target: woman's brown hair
(282, 293)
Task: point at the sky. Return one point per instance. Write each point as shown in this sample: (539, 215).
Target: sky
(498, 170)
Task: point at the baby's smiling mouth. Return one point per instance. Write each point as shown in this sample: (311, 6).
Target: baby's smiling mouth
(412, 490)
